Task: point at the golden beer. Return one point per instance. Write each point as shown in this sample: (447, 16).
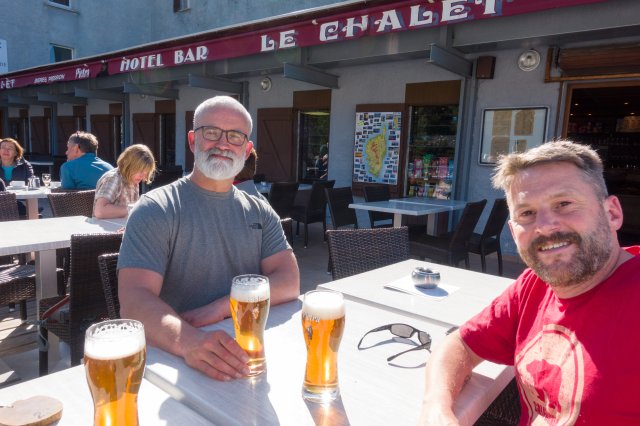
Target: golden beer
(323, 317)
(249, 304)
(114, 359)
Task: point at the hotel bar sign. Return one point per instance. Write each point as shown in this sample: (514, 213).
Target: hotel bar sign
(366, 22)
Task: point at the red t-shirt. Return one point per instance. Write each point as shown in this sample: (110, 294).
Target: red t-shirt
(577, 360)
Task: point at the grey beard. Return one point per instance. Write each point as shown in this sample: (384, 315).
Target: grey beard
(217, 169)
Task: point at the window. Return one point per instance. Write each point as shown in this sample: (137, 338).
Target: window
(66, 3)
(60, 53)
(314, 144)
(180, 5)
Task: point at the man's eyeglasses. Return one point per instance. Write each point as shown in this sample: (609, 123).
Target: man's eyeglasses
(213, 134)
(404, 331)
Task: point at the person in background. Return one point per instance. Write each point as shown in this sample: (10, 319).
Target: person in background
(83, 168)
(568, 323)
(322, 163)
(118, 188)
(185, 242)
(244, 179)
(14, 166)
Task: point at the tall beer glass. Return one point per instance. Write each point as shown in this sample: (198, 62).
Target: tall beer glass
(114, 358)
(249, 303)
(322, 325)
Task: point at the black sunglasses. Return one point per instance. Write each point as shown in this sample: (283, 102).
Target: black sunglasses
(404, 331)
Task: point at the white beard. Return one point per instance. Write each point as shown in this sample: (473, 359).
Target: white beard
(215, 168)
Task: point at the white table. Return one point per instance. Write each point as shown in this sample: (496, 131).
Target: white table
(414, 206)
(475, 291)
(155, 407)
(31, 197)
(372, 390)
(43, 237)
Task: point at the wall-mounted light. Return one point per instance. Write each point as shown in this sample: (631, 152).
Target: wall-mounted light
(529, 60)
(265, 84)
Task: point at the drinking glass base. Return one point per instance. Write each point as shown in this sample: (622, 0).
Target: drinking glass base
(320, 395)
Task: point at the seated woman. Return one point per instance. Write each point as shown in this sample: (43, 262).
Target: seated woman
(119, 187)
(14, 166)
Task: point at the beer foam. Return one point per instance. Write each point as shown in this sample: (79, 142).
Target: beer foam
(248, 290)
(109, 342)
(323, 305)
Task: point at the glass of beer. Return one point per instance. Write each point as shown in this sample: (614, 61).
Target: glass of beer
(114, 359)
(322, 326)
(249, 303)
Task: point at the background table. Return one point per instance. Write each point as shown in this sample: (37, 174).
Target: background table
(31, 196)
(372, 390)
(476, 291)
(69, 386)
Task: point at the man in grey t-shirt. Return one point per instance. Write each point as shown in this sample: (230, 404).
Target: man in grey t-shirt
(185, 241)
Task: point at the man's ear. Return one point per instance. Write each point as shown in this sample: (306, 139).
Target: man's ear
(191, 137)
(249, 147)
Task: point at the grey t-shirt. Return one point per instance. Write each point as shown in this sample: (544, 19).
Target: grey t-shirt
(199, 240)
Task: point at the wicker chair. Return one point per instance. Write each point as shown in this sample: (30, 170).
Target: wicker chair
(378, 193)
(108, 264)
(489, 241)
(450, 248)
(313, 209)
(287, 227)
(86, 301)
(281, 197)
(338, 200)
(505, 410)
(359, 250)
(17, 281)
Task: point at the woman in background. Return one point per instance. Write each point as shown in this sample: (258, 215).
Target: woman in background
(14, 166)
(120, 187)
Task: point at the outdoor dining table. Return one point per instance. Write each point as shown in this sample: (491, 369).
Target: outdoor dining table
(412, 206)
(372, 390)
(43, 237)
(155, 407)
(31, 197)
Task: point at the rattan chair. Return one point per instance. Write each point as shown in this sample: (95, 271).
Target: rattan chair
(489, 241)
(108, 264)
(17, 280)
(86, 301)
(450, 248)
(287, 227)
(359, 250)
(341, 214)
(378, 193)
(281, 197)
(505, 410)
(313, 208)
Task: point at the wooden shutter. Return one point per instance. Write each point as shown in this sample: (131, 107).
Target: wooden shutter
(40, 135)
(101, 127)
(275, 144)
(145, 132)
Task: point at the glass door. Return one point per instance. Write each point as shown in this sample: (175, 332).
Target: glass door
(313, 145)
(432, 140)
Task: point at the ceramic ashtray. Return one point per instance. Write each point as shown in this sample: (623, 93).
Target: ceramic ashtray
(425, 277)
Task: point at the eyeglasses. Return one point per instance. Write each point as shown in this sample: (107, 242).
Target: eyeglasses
(213, 134)
(404, 331)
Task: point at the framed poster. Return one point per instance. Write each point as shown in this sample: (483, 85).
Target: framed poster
(507, 130)
(376, 152)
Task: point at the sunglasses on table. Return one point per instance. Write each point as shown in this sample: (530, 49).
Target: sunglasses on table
(405, 331)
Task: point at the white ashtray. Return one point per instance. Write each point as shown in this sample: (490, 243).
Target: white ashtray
(17, 184)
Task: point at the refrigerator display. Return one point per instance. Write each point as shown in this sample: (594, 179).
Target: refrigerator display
(432, 140)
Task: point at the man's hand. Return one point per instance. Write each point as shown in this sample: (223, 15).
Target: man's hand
(218, 356)
(208, 314)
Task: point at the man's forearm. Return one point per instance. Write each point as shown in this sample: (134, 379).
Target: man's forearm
(448, 368)
(284, 280)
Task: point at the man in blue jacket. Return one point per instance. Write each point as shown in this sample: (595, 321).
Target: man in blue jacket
(83, 168)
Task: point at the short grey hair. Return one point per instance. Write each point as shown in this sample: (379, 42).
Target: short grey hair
(582, 156)
(222, 102)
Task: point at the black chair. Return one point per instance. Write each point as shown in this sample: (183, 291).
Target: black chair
(287, 227)
(259, 177)
(85, 304)
(281, 197)
(450, 248)
(489, 241)
(378, 193)
(359, 250)
(166, 175)
(338, 200)
(108, 264)
(312, 208)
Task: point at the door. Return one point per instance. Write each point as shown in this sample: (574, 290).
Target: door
(101, 127)
(275, 144)
(39, 135)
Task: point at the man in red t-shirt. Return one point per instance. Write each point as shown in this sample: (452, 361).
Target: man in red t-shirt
(568, 324)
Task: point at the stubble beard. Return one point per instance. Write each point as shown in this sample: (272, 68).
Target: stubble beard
(216, 168)
(592, 252)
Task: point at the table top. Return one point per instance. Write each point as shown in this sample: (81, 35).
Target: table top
(372, 391)
(23, 236)
(26, 194)
(155, 407)
(405, 208)
(470, 291)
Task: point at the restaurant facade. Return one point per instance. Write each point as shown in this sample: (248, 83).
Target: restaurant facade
(421, 96)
